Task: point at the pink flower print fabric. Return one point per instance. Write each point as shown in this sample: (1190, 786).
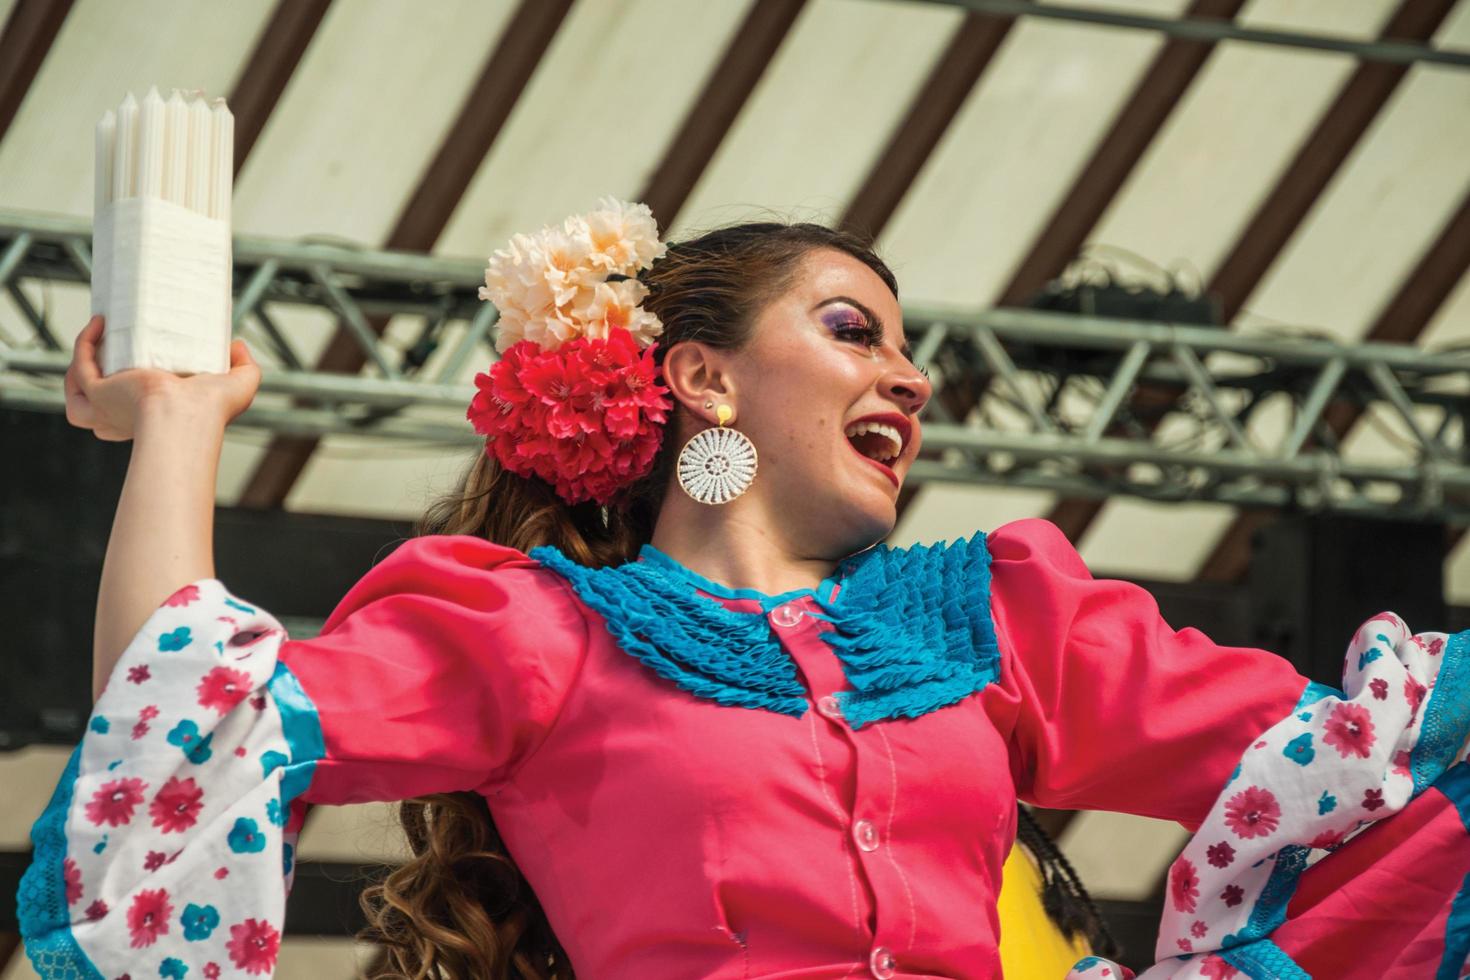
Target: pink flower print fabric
(1302, 789)
(179, 775)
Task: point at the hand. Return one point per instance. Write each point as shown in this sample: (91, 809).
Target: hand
(110, 406)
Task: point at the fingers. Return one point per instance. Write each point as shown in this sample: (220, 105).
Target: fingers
(84, 353)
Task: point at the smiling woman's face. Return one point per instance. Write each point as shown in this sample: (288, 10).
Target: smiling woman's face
(825, 390)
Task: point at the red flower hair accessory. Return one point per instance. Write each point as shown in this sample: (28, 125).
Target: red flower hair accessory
(575, 399)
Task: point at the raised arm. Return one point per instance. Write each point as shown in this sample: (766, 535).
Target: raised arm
(163, 532)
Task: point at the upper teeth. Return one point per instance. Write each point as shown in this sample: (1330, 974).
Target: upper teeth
(895, 441)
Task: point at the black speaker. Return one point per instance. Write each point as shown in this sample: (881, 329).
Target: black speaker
(59, 488)
(1315, 579)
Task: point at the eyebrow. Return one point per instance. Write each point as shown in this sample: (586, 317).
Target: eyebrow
(903, 347)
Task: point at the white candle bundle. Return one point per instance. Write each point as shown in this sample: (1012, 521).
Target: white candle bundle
(161, 259)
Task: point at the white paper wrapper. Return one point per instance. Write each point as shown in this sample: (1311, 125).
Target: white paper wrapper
(161, 277)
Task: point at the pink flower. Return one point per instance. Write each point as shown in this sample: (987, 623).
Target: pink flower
(1436, 646)
(177, 805)
(96, 910)
(183, 597)
(154, 860)
(221, 873)
(1414, 694)
(1350, 730)
(138, 674)
(1401, 760)
(1183, 885)
(1199, 929)
(211, 971)
(1220, 855)
(139, 730)
(258, 702)
(148, 917)
(223, 688)
(148, 713)
(585, 418)
(72, 875)
(1373, 799)
(1327, 840)
(1252, 812)
(253, 945)
(1185, 945)
(113, 804)
(1379, 686)
(1232, 896)
(1217, 969)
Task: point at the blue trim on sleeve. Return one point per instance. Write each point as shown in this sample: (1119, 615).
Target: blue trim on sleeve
(1263, 960)
(1315, 692)
(1455, 785)
(1270, 908)
(1456, 935)
(302, 728)
(45, 922)
(1446, 715)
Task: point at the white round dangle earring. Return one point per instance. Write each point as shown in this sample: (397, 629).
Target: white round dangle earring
(718, 464)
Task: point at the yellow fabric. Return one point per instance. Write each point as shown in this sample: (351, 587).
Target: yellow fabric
(1031, 946)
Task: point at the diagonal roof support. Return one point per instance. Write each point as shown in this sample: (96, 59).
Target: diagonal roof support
(933, 108)
(428, 210)
(24, 44)
(1302, 182)
(1423, 292)
(277, 52)
(725, 93)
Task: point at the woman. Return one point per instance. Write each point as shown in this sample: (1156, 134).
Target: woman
(722, 733)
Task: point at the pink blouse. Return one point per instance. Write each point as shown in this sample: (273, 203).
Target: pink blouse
(667, 834)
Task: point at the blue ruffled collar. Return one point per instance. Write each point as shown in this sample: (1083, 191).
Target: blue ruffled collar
(911, 627)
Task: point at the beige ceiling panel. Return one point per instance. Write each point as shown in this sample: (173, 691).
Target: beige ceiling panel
(318, 958)
(29, 775)
(355, 834)
(363, 116)
(1121, 856)
(1385, 206)
(595, 118)
(952, 511)
(1225, 145)
(1013, 150)
(822, 113)
(103, 51)
(1137, 538)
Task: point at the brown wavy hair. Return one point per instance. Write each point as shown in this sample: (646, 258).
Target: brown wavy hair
(459, 908)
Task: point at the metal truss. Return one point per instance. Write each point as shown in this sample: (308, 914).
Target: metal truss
(1085, 407)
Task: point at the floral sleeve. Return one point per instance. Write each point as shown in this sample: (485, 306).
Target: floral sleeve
(1298, 871)
(168, 846)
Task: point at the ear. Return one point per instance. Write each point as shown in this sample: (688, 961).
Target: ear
(698, 375)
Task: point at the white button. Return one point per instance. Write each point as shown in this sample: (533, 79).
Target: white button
(882, 964)
(786, 614)
(829, 707)
(865, 834)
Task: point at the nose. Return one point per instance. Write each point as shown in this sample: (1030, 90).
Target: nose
(907, 387)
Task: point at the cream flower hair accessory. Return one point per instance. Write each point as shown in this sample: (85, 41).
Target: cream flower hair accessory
(551, 287)
(575, 400)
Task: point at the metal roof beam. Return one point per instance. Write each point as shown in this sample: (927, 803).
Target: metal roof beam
(24, 43)
(1207, 29)
(482, 115)
(710, 117)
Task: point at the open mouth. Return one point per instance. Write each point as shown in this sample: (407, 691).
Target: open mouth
(881, 440)
(878, 441)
